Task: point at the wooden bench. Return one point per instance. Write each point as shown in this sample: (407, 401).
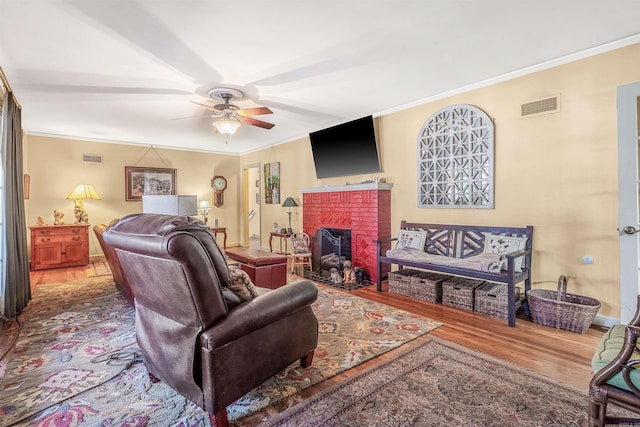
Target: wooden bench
(465, 241)
(265, 269)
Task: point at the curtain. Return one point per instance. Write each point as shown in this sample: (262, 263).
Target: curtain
(16, 285)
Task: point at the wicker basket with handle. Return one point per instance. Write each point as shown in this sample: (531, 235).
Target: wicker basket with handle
(561, 310)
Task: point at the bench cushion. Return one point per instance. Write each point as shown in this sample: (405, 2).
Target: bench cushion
(256, 257)
(490, 263)
(607, 350)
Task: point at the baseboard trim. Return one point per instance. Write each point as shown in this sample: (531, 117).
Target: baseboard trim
(606, 321)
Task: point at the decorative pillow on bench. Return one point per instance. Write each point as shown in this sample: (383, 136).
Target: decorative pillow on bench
(411, 239)
(503, 245)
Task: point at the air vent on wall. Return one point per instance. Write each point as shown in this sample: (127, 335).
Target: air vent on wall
(540, 106)
(92, 158)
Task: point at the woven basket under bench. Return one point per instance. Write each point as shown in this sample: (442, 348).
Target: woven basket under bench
(561, 310)
(417, 284)
(400, 281)
(491, 300)
(460, 292)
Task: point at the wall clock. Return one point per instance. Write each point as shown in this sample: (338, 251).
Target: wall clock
(219, 184)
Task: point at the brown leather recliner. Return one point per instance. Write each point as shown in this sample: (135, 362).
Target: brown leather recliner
(189, 336)
(112, 259)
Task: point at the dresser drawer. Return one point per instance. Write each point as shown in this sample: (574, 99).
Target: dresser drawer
(58, 238)
(59, 231)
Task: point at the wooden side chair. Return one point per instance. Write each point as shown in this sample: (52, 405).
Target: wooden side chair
(300, 255)
(616, 381)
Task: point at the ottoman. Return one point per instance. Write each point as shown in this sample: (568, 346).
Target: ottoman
(266, 269)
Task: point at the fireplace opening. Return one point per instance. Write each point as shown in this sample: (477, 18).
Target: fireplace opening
(330, 248)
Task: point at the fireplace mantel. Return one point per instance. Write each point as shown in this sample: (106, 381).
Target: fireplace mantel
(349, 187)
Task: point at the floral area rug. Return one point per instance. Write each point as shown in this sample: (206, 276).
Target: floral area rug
(442, 384)
(69, 332)
(352, 330)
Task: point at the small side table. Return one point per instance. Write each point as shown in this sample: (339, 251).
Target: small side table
(284, 236)
(223, 230)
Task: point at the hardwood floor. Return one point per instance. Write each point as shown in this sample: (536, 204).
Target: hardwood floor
(561, 355)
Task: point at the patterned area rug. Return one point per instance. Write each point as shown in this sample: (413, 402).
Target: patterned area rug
(68, 332)
(441, 384)
(69, 321)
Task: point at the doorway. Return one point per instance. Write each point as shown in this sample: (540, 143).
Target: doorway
(252, 201)
(629, 197)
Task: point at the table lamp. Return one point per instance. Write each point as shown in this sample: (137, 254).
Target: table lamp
(289, 203)
(80, 193)
(203, 209)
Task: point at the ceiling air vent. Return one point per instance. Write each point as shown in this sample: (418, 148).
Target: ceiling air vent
(540, 106)
(92, 158)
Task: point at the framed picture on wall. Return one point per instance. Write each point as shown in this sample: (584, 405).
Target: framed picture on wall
(141, 180)
(272, 183)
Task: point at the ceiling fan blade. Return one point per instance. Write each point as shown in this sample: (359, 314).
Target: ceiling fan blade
(256, 122)
(194, 117)
(140, 26)
(107, 90)
(206, 106)
(254, 111)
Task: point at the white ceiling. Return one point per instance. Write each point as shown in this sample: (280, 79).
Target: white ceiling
(126, 71)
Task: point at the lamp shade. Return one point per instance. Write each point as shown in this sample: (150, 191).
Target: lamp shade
(227, 126)
(204, 204)
(289, 203)
(84, 191)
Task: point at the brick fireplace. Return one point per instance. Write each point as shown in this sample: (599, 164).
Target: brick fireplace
(365, 209)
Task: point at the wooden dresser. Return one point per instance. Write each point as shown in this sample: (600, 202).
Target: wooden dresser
(54, 246)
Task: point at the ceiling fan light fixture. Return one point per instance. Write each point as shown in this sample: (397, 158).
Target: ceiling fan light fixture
(227, 126)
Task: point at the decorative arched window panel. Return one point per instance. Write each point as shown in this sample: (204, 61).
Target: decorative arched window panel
(455, 159)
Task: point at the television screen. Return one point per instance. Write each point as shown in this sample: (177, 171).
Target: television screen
(346, 149)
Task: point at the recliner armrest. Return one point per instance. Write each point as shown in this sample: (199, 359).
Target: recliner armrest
(261, 311)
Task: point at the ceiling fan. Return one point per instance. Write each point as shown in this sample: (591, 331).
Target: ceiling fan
(230, 116)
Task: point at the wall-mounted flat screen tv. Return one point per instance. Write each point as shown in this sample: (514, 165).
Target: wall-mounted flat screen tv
(346, 149)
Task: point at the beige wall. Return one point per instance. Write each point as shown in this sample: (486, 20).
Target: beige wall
(557, 172)
(56, 167)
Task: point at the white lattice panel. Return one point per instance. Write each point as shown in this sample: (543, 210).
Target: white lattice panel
(455, 159)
